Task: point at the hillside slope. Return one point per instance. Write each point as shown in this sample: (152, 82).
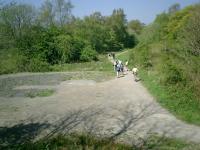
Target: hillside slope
(168, 56)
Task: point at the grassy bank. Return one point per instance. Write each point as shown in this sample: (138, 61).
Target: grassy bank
(169, 64)
(179, 100)
(124, 55)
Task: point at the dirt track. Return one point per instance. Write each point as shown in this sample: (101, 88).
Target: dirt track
(120, 108)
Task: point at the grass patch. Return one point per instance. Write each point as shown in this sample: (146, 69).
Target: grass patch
(88, 142)
(102, 65)
(45, 93)
(180, 102)
(162, 143)
(100, 70)
(73, 142)
(123, 56)
(40, 93)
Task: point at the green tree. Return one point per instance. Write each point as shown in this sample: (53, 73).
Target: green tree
(63, 11)
(55, 12)
(135, 26)
(15, 18)
(88, 54)
(47, 14)
(64, 46)
(118, 23)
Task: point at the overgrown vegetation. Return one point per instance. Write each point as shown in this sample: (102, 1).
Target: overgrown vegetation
(168, 58)
(35, 39)
(123, 56)
(102, 65)
(89, 142)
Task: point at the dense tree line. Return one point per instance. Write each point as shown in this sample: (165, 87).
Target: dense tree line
(135, 27)
(31, 38)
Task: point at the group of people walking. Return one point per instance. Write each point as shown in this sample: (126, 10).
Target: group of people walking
(120, 68)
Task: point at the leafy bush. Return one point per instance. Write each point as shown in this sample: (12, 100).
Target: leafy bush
(11, 61)
(64, 47)
(37, 65)
(173, 74)
(88, 54)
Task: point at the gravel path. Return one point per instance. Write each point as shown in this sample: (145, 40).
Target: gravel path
(120, 108)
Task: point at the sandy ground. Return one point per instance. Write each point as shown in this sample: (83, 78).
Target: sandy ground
(120, 108)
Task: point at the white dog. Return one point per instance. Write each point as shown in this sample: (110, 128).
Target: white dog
(135, 72)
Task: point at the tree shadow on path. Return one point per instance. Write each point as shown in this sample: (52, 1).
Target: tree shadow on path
(122, 123)
(20, 133)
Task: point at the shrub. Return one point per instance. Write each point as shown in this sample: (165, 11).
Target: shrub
(144, 57)
(63, 47)
(37, 65)
(192, 32)
(88, 54)
(11, 61)
(173, 74)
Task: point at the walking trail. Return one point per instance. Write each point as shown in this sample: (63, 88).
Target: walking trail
(120, 108)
